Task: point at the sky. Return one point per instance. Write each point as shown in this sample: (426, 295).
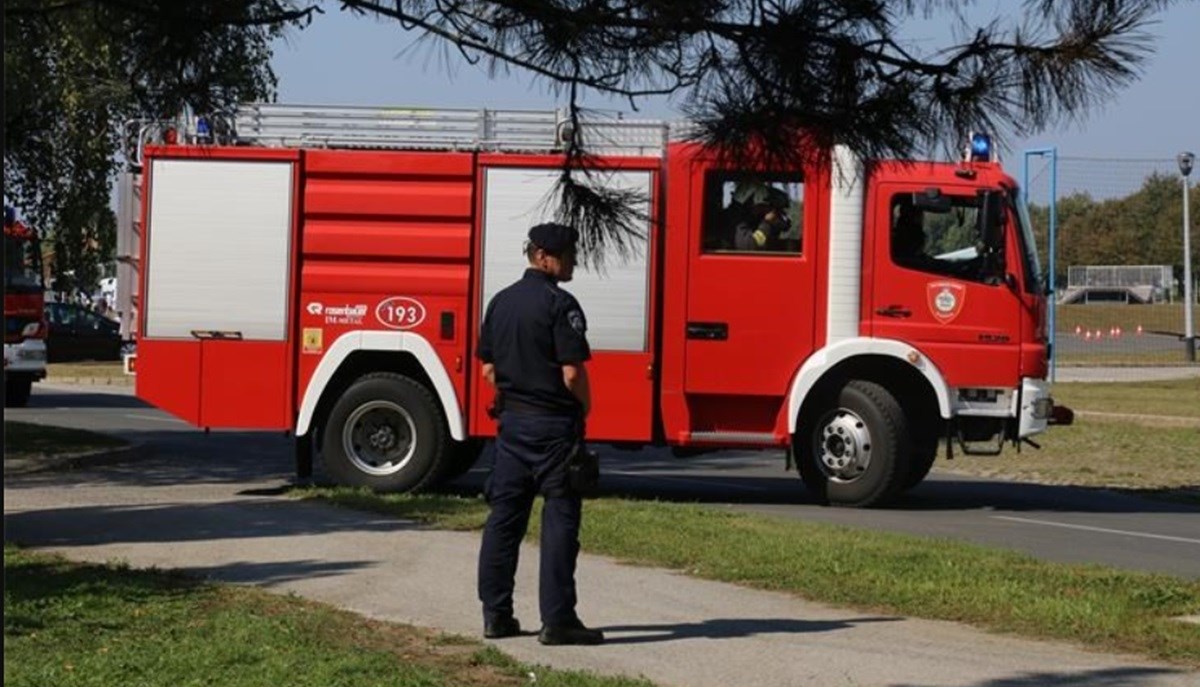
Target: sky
(342, 59)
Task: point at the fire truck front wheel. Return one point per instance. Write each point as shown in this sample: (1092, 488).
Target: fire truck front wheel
(385, 433)
(857, 447)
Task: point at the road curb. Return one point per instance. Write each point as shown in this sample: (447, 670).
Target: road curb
(75, 461)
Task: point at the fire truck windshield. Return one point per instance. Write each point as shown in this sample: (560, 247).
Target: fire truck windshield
(22, 265)
(1034, 281)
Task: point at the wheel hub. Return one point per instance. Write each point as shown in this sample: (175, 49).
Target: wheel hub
(379, 437)
(843, 446)
(383, 438)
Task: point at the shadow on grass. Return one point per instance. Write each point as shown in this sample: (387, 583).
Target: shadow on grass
(185, 522)
(728, 628)
(1102, 677)
(49, 585)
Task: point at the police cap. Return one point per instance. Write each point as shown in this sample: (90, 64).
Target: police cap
(554, 238)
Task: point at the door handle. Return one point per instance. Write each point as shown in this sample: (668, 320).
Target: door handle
(213, 334)
(894, 311)
(711, 331)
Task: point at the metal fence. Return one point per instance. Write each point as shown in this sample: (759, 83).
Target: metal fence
(1122, 283)
(1115, 321)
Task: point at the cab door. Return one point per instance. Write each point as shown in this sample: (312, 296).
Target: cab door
(936, 287)
(751, 301)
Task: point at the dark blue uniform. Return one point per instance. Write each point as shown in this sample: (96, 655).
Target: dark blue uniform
(530, 330)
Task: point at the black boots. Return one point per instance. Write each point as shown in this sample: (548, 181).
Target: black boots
(561, 635)
(501, 628)
(569, 634)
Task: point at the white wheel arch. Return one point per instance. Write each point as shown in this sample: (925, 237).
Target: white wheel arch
(406, 342)
(824, 360)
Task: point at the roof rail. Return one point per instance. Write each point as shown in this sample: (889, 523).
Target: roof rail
(415, 128)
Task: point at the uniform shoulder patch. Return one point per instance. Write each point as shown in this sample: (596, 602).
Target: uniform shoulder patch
(575, 319)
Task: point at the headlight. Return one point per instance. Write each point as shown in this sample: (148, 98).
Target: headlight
(1043, 407)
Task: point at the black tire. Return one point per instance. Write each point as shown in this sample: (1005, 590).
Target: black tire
(17, 389)
(386, 433)
(926, 428)
(921, 463)
(854, 449)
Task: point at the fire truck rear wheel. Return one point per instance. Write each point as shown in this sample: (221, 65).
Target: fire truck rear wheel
(385, 433)
(16, 390)
(858, 448)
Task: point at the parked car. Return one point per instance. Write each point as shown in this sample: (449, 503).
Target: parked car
(77, 333)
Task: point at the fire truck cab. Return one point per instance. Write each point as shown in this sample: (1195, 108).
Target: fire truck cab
(323, 271)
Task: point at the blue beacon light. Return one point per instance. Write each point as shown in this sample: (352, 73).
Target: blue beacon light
(203, 129)
(981, 148)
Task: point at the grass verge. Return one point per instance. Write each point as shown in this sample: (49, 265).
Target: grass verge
(999, 590)
(1101, 452)
(1176, 397)
(99, 372)
(26, 440)
(1146, 440)
(71, 625)
(1161, 317)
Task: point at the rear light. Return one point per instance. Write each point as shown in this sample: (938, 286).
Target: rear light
(35, 330)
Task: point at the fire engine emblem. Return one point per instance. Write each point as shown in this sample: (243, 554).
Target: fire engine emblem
(945, 300)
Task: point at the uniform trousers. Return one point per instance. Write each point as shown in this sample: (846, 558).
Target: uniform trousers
(531, 452)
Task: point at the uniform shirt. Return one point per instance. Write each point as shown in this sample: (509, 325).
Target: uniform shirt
(530, 330)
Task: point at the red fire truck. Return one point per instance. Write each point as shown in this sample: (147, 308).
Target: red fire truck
(24, 316)
(323, 271)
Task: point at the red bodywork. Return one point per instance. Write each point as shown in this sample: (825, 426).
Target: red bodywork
(22, 306)
(370, 226)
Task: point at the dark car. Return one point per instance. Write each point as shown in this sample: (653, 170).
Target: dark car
(77, 333)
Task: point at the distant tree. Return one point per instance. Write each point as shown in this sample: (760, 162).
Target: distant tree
(1142, 228)
(76, 71)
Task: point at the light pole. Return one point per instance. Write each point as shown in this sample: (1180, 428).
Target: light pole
(1186, 160)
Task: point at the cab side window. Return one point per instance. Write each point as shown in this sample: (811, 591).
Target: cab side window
(939, 238)
(753, 213)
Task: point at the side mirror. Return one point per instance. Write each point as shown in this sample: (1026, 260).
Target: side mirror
(991, 220)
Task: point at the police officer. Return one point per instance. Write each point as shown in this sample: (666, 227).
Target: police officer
(533, 347)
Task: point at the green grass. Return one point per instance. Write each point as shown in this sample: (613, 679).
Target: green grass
(1160, 461)
(25, 440)
(104, 372)
(72, 625)
(1162, 317)
(1147, 440)
(1176, 398)
(998, 590)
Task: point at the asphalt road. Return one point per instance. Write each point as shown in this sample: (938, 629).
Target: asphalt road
(1050, 522)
